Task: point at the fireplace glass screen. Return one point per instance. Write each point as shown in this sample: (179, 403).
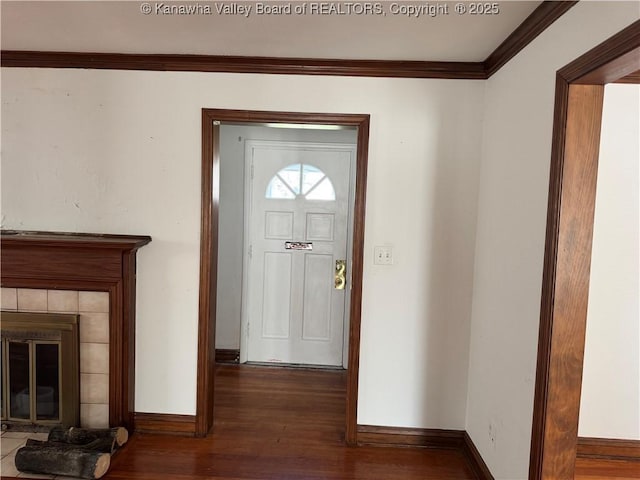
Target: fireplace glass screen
(47, 380)
(19, 382)
(34, 367)
(40, 375)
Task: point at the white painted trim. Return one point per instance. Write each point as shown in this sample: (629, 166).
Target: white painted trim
(244, 320)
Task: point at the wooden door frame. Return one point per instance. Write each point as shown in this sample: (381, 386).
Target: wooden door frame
(567, 259)
(211, 119)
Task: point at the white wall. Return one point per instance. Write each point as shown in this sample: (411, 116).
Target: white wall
(231, 215)
(610, 404)
(511, 230)
(119, 152)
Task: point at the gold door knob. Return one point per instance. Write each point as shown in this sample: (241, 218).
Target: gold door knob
(340, 279)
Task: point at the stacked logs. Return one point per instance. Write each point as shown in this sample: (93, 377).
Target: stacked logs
(72, 452)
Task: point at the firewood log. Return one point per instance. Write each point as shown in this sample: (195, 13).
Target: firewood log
(70, 462)
(103, 445)
(82, 436)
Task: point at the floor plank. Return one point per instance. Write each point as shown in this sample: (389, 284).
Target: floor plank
(279, 423)
(595, 469)
(288, 424)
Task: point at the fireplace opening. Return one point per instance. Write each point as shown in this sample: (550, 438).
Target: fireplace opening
(40, 369)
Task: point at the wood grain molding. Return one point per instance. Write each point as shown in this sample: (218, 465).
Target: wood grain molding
(357, 268)
(211, 119)
(89, 262)
(475, 460)
(543, 16)
(166, 424)
(536, 23)
(410, 437)
(210, 201)
(609, 449)
(566, 301)
(608, 62)
(549, 273)
(235, 64)
(227, 355)
(633, 78)
(566, 269)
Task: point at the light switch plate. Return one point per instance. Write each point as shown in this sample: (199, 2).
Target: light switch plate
(383, 255)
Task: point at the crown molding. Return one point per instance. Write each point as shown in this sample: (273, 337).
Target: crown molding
(543, 16)
(235, 64)
(536, 23)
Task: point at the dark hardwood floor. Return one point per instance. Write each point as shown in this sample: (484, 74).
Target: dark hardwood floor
(288, 424)
(595, 469)
(279, 423)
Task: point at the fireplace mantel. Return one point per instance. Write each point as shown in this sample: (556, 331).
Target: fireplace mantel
(89, 262)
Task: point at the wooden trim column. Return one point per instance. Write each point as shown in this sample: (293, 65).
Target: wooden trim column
(565, 301)
(210, 191)
(567, 260)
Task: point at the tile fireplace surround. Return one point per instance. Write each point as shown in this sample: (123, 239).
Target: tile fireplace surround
(93, 308)
(94, 276)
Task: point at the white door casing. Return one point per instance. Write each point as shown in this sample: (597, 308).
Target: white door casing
(295, 192)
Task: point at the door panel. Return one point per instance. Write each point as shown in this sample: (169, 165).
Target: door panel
(316, 317)
(320, 226)
(297, 193)
(276, 295)
(278, 225)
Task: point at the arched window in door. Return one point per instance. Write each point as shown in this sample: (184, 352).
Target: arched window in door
(300, 180)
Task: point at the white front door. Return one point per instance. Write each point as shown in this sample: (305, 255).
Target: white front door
(297, 234)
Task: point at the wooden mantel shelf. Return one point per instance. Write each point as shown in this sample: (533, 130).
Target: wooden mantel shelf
(88, 262)
(66, 239)
(58, 256)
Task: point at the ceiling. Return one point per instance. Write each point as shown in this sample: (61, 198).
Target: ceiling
(120, 27)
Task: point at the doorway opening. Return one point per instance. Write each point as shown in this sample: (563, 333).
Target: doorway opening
(293, 278)
(283, 252)
(570, 219)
